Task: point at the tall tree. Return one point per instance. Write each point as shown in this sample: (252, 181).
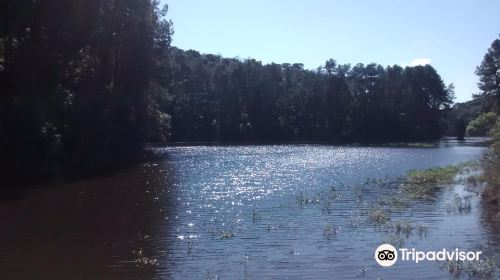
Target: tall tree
(489, 72)
(76, 82)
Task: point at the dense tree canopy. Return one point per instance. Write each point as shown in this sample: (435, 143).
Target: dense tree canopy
(221, 99)
(76, 81)
(84, 84)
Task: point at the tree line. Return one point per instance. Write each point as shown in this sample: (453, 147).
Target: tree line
(84, 84)
(225, 99)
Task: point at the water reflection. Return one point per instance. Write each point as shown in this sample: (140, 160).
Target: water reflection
(296, 211)
(107, 228)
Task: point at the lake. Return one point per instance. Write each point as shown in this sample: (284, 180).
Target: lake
(240, 212)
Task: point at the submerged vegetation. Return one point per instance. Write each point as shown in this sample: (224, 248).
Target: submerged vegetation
(481, 269)
(378, 216)
(433, 175)
(423, 183)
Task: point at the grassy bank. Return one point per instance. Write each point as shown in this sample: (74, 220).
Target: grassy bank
(491, 194)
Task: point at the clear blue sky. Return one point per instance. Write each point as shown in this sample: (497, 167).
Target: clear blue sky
(452, 34)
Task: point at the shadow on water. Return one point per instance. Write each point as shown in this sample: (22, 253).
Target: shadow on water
(21, 183)
(203, 212)
(103, 228)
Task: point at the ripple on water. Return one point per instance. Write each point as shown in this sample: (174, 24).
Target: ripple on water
(271, 211)
(250, 195)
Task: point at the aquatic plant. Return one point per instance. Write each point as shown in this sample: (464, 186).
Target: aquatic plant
(211, 276)
(361, 272)
(327, 207)
(255, 216)
(356, 219)
(405, 229)
(378, 216)
(483, 268)
(395, 240)
(142, 261)
(460, 204)
(474, 181)
(395, 202)
(421, 184)
(454, 267)
(190, 247)
(434, 175)
(422, 230)
(329, 231)
(303, 200)
(226, 235)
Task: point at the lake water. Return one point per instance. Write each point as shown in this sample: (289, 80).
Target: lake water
(239, 212)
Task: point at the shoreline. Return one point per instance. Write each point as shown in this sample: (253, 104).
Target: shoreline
(482, 141)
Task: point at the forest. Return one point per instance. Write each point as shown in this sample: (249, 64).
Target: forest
(86, 84)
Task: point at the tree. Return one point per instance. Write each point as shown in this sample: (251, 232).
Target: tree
(482, 125)
(489, 72)
(79, 82)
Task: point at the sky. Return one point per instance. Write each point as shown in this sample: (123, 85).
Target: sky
(451, 35)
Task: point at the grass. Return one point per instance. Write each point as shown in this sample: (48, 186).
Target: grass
(492, 176)
(437, 175)
(423, 183)
(417, 184)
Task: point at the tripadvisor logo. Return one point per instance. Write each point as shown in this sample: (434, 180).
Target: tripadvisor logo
(387, 255)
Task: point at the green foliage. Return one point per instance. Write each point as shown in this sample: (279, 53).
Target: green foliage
(461, 114)
(221, 99)
(434, 175)
(489, 83)
(489, 72)
(492, 166)
(81, 83)
(86, 83)
(422, 183)
(482, 125)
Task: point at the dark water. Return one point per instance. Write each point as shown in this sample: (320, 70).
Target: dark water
(237, 212)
